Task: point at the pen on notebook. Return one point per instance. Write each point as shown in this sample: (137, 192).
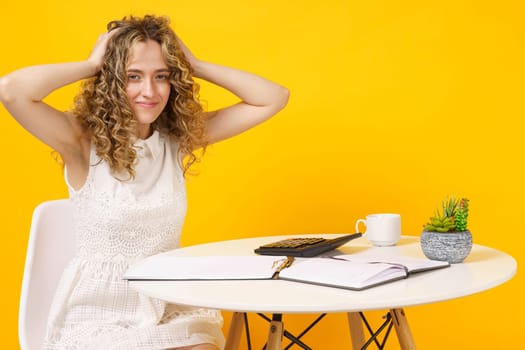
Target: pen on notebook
(284, 264)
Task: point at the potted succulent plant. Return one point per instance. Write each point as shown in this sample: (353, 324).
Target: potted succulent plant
(446, 237)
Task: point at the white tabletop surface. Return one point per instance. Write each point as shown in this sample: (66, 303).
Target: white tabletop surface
(483, 269)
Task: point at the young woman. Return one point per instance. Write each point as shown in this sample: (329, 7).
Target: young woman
(135, 119)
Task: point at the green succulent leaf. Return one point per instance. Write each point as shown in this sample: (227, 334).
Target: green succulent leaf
(451, 217)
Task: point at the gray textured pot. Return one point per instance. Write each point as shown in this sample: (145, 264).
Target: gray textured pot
(453, 247)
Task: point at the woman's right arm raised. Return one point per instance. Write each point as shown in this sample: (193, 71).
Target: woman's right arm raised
(22, 92)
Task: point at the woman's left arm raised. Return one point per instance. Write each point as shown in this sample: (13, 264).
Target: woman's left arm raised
(260, 98)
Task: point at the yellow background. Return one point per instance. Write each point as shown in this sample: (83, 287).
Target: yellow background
(394, 105)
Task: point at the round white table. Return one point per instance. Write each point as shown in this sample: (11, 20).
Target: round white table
(483, 269)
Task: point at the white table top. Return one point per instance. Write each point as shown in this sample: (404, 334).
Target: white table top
(483, 269)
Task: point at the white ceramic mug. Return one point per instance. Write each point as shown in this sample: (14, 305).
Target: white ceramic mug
(381, 229)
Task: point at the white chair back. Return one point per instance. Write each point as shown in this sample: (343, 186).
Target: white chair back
(50, 248)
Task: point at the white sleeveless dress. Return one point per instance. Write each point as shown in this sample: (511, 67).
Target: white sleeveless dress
(118, 223)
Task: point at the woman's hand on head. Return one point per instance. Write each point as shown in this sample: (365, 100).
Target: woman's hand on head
(96, 57)
(189, 55)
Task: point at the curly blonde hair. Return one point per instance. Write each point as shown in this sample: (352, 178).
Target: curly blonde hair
(104, 110)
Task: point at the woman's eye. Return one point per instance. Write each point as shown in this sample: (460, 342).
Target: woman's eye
(133, 77)
(162, 77)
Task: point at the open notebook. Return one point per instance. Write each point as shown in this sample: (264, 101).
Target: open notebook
(341, 271)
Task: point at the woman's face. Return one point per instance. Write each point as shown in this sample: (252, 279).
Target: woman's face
(148, 86)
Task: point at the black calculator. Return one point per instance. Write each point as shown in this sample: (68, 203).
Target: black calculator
(304, 246)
